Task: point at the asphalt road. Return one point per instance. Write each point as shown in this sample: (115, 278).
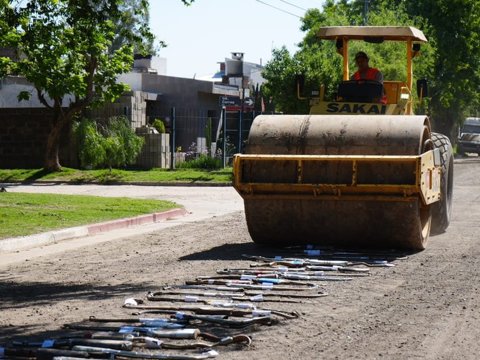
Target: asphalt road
(427, 307)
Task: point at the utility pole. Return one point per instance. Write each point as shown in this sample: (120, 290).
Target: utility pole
(240, 118)
(365, 12)
(224, 124)
(173, 131)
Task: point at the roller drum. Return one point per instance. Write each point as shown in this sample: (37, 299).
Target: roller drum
(290, 220)
(357, 224)
(338, 135)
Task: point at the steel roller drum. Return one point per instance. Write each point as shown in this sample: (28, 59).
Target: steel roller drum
(277, 219)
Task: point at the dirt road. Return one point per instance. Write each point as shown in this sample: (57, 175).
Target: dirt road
(427, 307)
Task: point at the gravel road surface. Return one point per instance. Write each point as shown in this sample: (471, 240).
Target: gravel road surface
(427, 307)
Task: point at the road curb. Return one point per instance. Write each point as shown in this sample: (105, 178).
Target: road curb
(22, 242)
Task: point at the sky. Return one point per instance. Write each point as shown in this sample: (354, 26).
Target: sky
(205, 33)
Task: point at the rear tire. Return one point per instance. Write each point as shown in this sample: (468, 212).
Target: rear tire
(441, 210)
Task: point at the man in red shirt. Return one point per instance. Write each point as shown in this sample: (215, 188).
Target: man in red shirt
(365, 72)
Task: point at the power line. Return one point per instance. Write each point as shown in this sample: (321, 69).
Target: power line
(296, 6)
(279, 9)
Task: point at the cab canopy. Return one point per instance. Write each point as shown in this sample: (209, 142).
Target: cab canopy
(375, 33)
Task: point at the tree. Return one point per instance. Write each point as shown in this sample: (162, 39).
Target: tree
(66, 53)
(280, 73)
(135, 20)
(316, 60)
(8, 37)
(455, 82)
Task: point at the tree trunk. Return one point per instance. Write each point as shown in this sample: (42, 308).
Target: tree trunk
(52, 162)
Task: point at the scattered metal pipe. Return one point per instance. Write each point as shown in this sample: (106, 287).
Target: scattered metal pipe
(139, 355)
(245, 294)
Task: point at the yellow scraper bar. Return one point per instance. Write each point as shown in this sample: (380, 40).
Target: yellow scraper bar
(418, 177)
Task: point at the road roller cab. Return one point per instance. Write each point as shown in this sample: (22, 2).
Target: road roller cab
(353, 96)
(354, 172)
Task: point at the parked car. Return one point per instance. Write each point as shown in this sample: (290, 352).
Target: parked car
(469, 136)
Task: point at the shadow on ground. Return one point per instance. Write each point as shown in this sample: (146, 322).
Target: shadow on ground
(23, 294)
(10, 331)
(37, 175)
(30, 333)
(236, 251)
(231, 252)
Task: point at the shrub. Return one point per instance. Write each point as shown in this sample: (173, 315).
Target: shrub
(112, 145)
(202, 162)
(91, 149)
(159, 126)
(125, 144)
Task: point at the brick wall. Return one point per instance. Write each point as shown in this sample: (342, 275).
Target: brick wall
(155, 152)
(23, 137)
(132, 105)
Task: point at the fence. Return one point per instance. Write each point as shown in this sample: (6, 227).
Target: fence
(195, 131)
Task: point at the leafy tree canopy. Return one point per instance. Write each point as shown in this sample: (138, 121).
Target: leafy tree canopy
(454, 26)
(135, 20)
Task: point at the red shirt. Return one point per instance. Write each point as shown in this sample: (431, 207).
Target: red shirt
(370, 74)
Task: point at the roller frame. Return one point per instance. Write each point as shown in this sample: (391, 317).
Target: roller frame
(426, 179)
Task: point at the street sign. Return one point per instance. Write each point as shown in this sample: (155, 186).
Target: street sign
(235, 104)
(233, 108)
(249, 102)
(229, 101)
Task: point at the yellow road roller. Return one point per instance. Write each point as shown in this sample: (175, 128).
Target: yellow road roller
(355, 172)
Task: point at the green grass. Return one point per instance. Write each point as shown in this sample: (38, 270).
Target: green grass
(25, 214)
(107, 176)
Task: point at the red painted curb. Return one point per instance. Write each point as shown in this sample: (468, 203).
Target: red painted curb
(138, 220)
